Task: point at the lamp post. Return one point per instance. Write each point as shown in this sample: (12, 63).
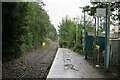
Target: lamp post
(94, 59)
(84, 32)
(76, 28)
(84, 14)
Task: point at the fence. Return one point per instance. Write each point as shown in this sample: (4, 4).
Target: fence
(90, 49)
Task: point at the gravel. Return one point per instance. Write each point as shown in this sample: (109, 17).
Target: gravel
(35, 64)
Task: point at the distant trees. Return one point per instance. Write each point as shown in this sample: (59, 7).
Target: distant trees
(67, 32)
(70, 32)
(25, 26)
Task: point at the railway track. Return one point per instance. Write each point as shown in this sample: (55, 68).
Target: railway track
(41, 65)
(46, 53)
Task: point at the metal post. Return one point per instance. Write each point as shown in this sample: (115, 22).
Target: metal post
(97, 38)
(108, 39)
(106, 30)
(84, 31)
(97, 30)
(85, 34)
(76, 31)
(84, 16)
(94, 56)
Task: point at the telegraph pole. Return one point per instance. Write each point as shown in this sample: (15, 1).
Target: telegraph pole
(76, 28)
(83, 29)
(84, 16)
(76, 31)
(84, 32)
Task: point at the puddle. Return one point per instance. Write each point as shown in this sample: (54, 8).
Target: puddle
(67, 59)
(70, 66)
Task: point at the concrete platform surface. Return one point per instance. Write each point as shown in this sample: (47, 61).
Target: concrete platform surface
(68, 64)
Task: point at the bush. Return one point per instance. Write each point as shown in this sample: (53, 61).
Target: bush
(48, 40)
(78, 48)
(22, 31)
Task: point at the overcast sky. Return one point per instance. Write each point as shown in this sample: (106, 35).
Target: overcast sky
(57, 9)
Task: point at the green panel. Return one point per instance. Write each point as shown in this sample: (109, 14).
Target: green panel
(89, 42)
(101, 42)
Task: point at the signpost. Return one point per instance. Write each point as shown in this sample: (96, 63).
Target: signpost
(105, 53)
(101, 12)
(107, 31)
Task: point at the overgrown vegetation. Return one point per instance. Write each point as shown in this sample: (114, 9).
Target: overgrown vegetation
(25, 26)
(70, 34)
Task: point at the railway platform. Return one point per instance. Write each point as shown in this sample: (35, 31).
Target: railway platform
(68, 64)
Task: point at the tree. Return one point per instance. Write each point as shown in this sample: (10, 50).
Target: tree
(25, 27)
(114, 7)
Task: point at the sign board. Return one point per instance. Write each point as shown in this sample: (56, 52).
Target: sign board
(104, 1)
(100, 34)
(91, 28)
(113, 0)
(83, 27)
(97, 1)
(101, 12)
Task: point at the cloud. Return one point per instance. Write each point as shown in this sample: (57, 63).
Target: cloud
(57, 9)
